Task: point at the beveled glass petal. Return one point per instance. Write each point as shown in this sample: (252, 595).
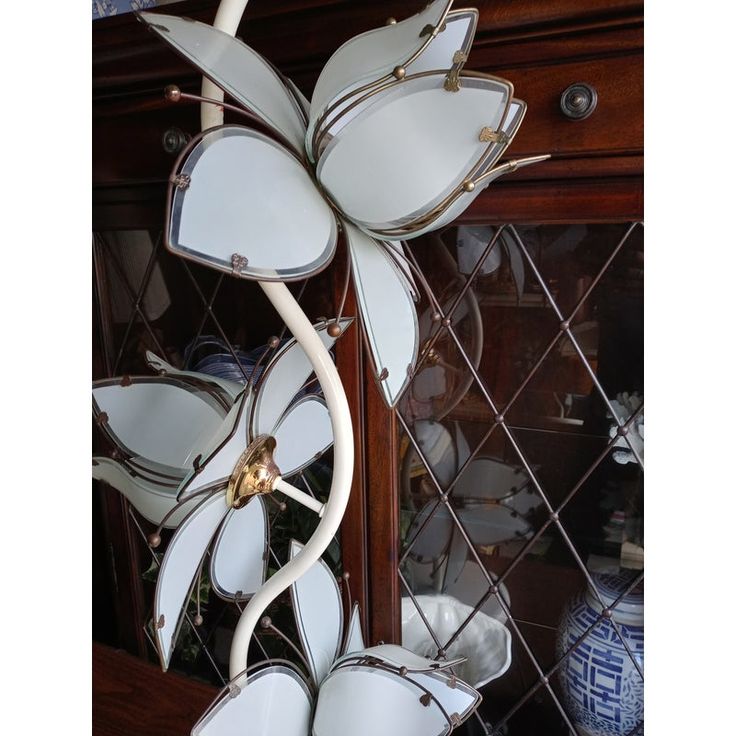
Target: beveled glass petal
(274, 701)
(229, 213)
(387, 311)
(457, 35)
(229, 390)
(509, 126)
(287, 371)
(414, 146)
(302, 435)
(364, 701)
(164, 420)
(373, 55)
(183, 557)
(398, 253)
(217, 461)
(235, 68)
(150, 500)
(354, 641)
(318, 612)
(239, 560)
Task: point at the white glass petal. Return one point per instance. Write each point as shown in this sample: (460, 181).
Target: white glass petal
(457, 35)
(399, 256)
(387, 310)
(229, 389)
(234, 67)
(435, 442)
(488, 478)
(461, 444)
(302, 435)
(374, 54)
(485, 643)
(151, 500)
(239, 558)
(318, 612)
(509, 126)
(456, 697)
(217, 460)
(230, 215)
(161, 419)
(361, 701)
(413, 145)
(436, 534)
(488, 524)
(179, 569)
(274, 701)
(457, 556)
(283, 379)
(398, 657)
(354, 641)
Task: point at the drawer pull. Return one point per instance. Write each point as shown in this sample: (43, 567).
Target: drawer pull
(173, 140)
(578, 101)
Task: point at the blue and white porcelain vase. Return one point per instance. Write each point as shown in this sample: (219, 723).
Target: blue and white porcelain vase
(603, 690)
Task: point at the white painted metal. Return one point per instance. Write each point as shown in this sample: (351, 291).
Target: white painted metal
(274, 702)
(413, 146)
(237, 69)
(302, 435)
(241, 183)
(179, 568)
(300, 497)
(318, 613)
(387, 309)
(239, 560)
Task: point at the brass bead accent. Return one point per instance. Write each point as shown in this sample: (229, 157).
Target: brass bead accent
(198, 620)
(172, 93)
(273, 342)
(468, 186)
(334, 330)
(399, 72)
(154, 540)
(390, 21)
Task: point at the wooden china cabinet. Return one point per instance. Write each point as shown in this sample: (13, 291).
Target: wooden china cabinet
(579, 66)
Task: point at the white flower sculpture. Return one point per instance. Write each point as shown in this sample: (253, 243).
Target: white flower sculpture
(351, 689)
(398, 140)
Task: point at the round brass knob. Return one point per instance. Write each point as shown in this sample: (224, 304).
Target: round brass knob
(578, 101)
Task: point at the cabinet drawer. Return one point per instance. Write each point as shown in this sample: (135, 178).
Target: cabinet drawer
(616, 126)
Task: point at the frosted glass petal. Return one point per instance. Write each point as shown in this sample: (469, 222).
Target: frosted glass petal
(216, 462)
(456, 697)
(318, 612)
(434, 539)
(387, 311)
(230, 213)
(179, 569)
(488, 478)
(235, 68)
(354, 641)
(161, 419)
(414, 145)
(397, 252)
(229, 390)
(283, 378)
(239, 559)
(274, 701)
(435, 442)
(458, 35)
(372, 55)
(302, 435)
(362, 701)
(397, 657)
(488, 524)
(150, 500)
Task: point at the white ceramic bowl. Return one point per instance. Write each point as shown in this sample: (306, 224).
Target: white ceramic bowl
(484, 641)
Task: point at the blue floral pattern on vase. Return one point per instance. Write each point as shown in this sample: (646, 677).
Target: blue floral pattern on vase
(602, 688)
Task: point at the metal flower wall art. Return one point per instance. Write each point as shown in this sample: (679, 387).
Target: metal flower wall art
(397, 141)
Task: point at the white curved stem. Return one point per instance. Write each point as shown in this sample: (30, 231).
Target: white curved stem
(227, 19)
(299, 496)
